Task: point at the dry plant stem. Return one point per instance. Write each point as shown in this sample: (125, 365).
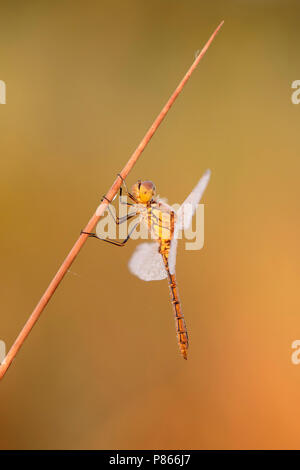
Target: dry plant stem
(95, 218)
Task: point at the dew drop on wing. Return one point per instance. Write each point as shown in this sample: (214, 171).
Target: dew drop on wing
(146, 263)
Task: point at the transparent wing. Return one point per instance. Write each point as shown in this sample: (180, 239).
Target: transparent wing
(187, 209)
(185, 214)
(146, 263)
(173, 251)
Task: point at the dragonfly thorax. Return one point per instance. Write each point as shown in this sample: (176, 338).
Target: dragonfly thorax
(143, 191)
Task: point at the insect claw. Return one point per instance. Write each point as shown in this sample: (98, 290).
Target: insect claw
(104, 197)
(118, 174)
(82, 232)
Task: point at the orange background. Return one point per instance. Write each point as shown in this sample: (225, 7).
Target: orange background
(101, 369)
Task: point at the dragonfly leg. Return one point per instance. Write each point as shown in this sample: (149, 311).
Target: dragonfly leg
(120, 220)
(104, 197)
(122, 243)
(127, 192)
(123, 182)
(126, 203)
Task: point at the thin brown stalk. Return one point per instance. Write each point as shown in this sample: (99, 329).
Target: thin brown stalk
(111, 193)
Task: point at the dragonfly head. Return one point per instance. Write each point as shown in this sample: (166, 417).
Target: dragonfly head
(143, 191)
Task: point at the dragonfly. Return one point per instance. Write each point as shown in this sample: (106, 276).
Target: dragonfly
(156, 260)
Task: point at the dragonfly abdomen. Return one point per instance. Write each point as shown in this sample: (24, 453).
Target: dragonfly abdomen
(182, 335)
(181, 330)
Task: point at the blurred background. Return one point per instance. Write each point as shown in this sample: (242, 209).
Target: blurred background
(101, 369)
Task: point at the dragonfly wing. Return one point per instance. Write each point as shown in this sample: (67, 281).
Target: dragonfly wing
(146, 263)
(187, 209)
(173, 250)
(184, 216)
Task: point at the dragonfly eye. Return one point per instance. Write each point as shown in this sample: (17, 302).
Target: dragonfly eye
(147, 191)
(143, 191)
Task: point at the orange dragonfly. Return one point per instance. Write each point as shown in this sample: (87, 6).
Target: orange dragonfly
(157, 260)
